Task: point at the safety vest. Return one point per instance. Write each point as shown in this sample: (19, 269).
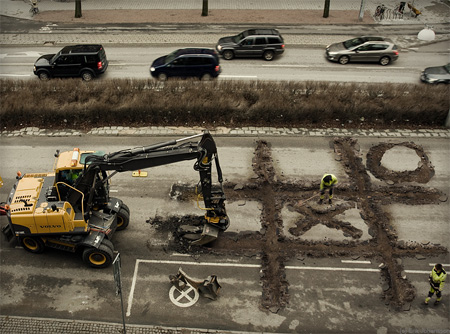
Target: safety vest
(324, 184)
(438, 279)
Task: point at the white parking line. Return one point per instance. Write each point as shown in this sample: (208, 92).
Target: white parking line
(243, 265)
(356, 261)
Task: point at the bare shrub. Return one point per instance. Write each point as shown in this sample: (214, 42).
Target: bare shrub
(131, 102)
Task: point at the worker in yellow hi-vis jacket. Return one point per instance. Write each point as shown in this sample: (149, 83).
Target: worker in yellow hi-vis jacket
(328, 182)
(437, 281)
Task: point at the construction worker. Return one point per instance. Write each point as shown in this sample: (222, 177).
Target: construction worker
(328, 181)
(437, 281)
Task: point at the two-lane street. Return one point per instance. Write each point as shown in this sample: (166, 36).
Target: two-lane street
(296, 64)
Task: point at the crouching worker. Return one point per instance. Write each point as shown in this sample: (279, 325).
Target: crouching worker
(437, 281)
(327, 183)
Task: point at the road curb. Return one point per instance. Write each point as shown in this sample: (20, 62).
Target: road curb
(123, 131)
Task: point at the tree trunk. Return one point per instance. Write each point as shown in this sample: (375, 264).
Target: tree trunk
(326, 10)
(205, 8)
(77, 8)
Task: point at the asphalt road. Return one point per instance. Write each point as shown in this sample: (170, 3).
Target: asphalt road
(327, 294)
(296, 64)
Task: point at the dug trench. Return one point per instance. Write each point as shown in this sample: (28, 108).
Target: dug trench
(274, 248)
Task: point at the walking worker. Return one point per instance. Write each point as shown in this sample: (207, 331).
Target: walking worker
(437, 281)
(328, 181)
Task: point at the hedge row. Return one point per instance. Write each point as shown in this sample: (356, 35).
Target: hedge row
(75, 104)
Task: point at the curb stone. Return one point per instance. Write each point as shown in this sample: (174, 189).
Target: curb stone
(117, 131)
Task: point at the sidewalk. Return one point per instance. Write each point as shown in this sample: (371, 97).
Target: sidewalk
(171, 22)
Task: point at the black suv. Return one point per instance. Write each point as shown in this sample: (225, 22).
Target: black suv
(264, 43)
(86, 61)
(202, 63)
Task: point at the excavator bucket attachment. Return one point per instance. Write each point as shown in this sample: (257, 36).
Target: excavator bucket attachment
(209, 234)
(210, 287)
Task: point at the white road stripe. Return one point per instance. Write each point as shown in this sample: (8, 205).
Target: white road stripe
(356, 261)
(238, 76)
(15, 75)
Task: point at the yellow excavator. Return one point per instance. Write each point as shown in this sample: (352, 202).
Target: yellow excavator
(71, 208)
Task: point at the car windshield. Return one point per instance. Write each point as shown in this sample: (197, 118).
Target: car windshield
(239, 37)
(447, 68)
(171, 56)
(353, 42)
(55, 57)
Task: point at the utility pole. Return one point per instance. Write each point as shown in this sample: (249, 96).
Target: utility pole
(326, 9)
(78, 8)
(205, 8)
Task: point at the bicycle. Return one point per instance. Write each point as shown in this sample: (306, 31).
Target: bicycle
(398, 11)
(34, 8)
(379, 12)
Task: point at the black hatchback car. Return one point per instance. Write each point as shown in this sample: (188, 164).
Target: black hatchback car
(86, 61)
(202, 63)
(265, 43)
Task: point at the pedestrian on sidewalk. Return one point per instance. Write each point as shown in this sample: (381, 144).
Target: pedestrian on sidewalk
(327, 183)
(437, 281)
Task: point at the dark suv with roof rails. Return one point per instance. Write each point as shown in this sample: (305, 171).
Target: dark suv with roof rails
(202, 63)
(265, 43)
(85, 60)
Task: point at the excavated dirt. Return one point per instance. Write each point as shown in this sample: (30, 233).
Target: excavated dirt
(274, 248)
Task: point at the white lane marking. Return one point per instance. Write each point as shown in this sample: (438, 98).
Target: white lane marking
(443, 264)
(302, 66)
(238, 76)
(332, 269)
(356, 261)
(211, 264)
(15, 75)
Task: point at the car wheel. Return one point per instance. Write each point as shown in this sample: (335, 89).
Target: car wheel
(344, 60)
(44, 76)
(87, 76)
(162, 77)
(268, 55)
(32, 245)
(385, 60)
(206, 77)
(228, 55)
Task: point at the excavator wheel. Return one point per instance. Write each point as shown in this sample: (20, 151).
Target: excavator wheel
(32, 244)
(108, 243)
(123, 218)
(100, 257)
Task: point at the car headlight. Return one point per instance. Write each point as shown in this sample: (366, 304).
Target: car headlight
(152, 69)
(219, 47)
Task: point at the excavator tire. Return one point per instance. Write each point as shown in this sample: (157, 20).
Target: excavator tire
(108, 243)
(32, 244)
(100, 257)
(123, 218)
